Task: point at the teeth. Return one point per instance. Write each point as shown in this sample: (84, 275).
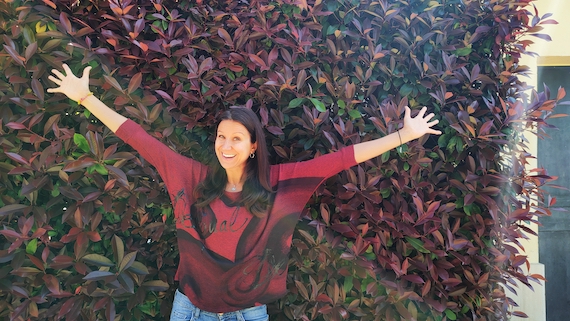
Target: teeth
(226, 155)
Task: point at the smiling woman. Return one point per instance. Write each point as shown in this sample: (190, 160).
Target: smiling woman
(235, 219)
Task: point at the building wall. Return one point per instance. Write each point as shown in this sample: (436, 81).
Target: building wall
(533, 302)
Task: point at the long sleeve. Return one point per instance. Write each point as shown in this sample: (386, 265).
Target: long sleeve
(176, 170)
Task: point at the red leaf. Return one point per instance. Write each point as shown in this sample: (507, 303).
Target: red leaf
(94, 236)
(119, 174)
(258, 61)
(52, 283)
(226, 36)
(61, 262)
(17, 158)
(110, 311)
(325, 214)
(66, 307)
(65, 23)
(101, 303)
(519, 314)
(81, 244)
(135, 83)
(79, 164)
(109, 185)
(91, 196)
(10, 233)
(206, 65)
(15, 55)
(458, 244)
(51, 4)
(12, 208)
(15, 125)
(561, 93)
(324, 298)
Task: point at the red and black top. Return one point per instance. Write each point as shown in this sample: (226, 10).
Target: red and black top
(229, 258)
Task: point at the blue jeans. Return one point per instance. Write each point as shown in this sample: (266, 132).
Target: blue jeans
(184, 310)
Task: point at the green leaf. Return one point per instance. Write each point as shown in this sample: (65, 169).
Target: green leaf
(32, 246)
(461, 52)
(296, 102)
(231, 75)
(81, 142)
(97, 259)
(99, 168)
(406, 89)
(156, 285)
(354, 114)
(348, 284)
(318, 104)
(450, 314)
(98, 275)
(417, 244)
(118, 248)
(138, 268)
(341, 104)
(127, 261)
(126, 282)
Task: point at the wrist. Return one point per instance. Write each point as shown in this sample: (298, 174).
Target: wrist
(82, 99)
(405, 135)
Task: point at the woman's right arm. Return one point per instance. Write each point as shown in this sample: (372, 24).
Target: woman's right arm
(78, 89)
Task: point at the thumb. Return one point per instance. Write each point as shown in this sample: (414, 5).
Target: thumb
(86, 72)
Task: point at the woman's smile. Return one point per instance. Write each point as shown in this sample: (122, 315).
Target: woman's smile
(233, 146)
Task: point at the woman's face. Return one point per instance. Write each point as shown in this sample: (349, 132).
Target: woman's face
(233, 145)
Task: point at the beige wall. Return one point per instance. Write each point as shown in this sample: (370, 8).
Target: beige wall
(558, 50)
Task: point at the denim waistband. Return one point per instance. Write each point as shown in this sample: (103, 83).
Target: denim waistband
(252, 313)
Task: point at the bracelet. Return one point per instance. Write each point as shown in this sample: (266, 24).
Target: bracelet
(399, 148)
(81, 100)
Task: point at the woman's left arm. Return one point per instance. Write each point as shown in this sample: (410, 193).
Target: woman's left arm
(413, 128)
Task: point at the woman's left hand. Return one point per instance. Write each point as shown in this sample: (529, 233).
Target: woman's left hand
(416, 127)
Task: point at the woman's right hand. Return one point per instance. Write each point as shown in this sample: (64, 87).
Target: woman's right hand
(73, 87)
(78, 90)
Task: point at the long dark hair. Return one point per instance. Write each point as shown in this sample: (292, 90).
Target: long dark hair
(256, 193)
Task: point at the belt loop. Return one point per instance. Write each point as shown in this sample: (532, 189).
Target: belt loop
(196, 312)
(240, 316)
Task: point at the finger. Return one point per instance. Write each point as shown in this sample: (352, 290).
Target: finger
(407, 112)
(53, 90)
(433, 123)
(68, 71)
(428, 117)
(55, 80)
(422, 112)
(86, 72)
(58, 73)
(435, 132)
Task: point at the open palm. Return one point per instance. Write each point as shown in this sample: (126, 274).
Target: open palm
(73, 87)
(420, 125)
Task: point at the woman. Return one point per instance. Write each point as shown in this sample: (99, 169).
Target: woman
(235, 220)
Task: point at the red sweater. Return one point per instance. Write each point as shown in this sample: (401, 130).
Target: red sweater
(230, 259)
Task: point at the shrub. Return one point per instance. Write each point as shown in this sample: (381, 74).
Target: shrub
(427, 231)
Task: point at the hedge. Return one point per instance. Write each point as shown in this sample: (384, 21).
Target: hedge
(425, 232)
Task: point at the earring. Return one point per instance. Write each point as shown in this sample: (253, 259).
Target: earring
(252, 155)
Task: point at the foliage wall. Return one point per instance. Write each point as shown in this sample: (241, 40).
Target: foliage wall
(425, 232)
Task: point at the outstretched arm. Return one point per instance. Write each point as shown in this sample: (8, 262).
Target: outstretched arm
(413, 128)
(78, 90)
